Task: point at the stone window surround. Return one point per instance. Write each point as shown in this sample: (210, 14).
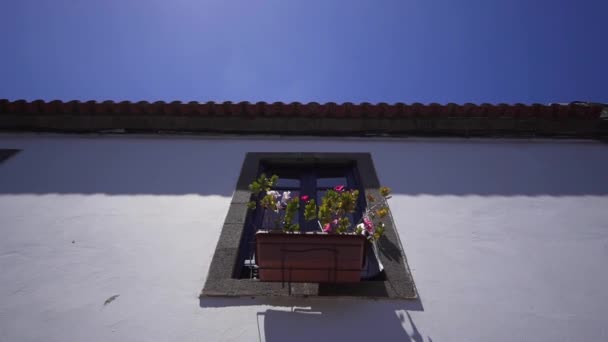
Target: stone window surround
(220, 278)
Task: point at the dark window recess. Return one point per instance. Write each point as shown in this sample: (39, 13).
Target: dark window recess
(312, 181)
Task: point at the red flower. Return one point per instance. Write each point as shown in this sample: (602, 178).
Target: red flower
(304, 198)
(339, 188)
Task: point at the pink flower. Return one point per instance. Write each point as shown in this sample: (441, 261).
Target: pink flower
(369, 225)
(339, 188)
(335, 222)
(304, 198)
(327, 228)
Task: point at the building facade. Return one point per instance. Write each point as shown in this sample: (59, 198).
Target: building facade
(111, 216)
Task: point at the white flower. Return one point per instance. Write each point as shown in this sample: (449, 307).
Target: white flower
(273, 193)
(361, 227)
(286, 197)
(279, 206)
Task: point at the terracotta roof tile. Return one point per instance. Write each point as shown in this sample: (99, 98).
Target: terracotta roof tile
(574, 119)
(312, 109)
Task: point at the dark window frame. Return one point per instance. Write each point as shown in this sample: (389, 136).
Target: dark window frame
(221, 281)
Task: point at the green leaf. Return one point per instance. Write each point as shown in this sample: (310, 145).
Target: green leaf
(310, 210)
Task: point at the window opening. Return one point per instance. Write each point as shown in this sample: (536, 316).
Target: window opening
(303, 180)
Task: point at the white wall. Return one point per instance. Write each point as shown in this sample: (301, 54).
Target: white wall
(507, 241)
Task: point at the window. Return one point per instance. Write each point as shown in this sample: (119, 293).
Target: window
(307, 180)
(312, 180)
(310, 174)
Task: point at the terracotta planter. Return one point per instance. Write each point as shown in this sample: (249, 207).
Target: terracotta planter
(309, 258)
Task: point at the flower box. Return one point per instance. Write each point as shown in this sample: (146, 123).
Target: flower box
(309, 257)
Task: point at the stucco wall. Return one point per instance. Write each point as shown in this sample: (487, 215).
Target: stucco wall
(507, 241)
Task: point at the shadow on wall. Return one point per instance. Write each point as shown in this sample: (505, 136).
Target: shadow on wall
(119, 167)
(495, 168)
(175, 166)
(294, 320)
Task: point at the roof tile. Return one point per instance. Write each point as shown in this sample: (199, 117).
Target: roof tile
(312, 109)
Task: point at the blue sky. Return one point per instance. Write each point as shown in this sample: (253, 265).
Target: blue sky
(375, 51)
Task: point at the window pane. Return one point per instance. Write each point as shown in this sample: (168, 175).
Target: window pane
(273, 220)
(288, 182)
(331, 182)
